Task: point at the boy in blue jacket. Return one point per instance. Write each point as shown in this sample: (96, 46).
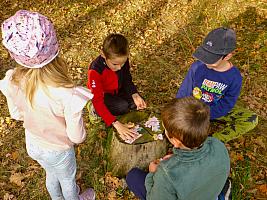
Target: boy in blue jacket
(199, 165)
(217, 82)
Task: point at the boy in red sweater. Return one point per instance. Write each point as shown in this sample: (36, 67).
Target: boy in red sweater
(110, 81)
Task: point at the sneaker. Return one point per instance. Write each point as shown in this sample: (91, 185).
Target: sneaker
(226, 193)
(88, 194)
(93, 116)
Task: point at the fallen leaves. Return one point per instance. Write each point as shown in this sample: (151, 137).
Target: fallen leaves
(162, 35)
(263, 188)
(17, 178)
(235, 156)
(15, 155)
(7, 125)
(261, 141)
(114, 185)
(8, 196)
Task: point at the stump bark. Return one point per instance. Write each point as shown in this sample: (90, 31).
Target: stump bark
(123, 157)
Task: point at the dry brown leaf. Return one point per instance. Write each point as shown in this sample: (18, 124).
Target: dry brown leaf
(236, 157)
(112, 195)
(8, 196)
(17, 178)
(260, 142)
(239, 157)
(15, 155)
(263, 188)
(112, 182)
(251, 156)
(79, 175)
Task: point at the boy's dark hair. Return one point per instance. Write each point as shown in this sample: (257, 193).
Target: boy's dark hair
(187, 119)
(115, 45)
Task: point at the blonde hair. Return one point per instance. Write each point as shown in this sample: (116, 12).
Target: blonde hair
(53, 74)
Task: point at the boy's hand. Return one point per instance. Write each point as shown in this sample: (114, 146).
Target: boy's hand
(139, 102)
(167, 157)
(124, 130)
(153, 166)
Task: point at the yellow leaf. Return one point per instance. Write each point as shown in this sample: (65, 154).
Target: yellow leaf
(8, 120)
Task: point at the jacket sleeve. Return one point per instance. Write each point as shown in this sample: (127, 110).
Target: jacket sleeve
(158, 186)
(73, 114)
(8, 90)
(226, 104)
(128, 84)
(186, 87)
(95, 85)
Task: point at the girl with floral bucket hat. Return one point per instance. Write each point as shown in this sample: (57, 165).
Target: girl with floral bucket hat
(41, 94)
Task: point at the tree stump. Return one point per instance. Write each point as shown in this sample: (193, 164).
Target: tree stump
(122, 156)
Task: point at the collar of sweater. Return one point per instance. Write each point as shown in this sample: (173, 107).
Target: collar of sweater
(193, 154)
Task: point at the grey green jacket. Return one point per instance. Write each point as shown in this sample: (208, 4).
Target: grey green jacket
(197, 174)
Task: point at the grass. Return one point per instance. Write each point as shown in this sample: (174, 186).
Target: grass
(241, 175)
(162, 34)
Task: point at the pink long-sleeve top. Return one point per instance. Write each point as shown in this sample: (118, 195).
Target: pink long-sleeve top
(55, 120)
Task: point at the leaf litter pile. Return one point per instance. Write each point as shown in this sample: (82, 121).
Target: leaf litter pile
(162, 35)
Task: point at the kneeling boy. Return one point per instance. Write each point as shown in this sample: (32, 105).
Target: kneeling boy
(199, 165)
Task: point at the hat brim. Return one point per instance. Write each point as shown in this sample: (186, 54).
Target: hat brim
(205, 56)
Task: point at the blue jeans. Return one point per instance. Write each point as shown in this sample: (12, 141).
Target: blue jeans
(60, 168)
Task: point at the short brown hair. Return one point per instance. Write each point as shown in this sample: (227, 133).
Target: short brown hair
(115, 45)
(187, 119)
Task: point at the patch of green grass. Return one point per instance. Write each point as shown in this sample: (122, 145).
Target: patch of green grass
(241, 177)
(91, 161)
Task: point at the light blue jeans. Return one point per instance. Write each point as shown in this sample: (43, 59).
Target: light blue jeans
(60, 168)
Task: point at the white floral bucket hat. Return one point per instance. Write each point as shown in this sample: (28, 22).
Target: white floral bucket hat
(30, 39)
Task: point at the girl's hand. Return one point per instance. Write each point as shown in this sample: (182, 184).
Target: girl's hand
(153, 166)
(139, 102)
(124, 130)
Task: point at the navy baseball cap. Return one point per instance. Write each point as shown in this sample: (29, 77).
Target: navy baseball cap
(218, 42)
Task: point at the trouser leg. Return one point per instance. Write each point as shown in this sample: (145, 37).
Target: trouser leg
(237, 122)
(116, 105)
(128, 98)
(136, 182)
(60, 167)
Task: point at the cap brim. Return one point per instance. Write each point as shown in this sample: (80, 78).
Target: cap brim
(206, 56)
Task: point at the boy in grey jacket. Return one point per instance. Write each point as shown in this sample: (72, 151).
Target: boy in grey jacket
(199, 165)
